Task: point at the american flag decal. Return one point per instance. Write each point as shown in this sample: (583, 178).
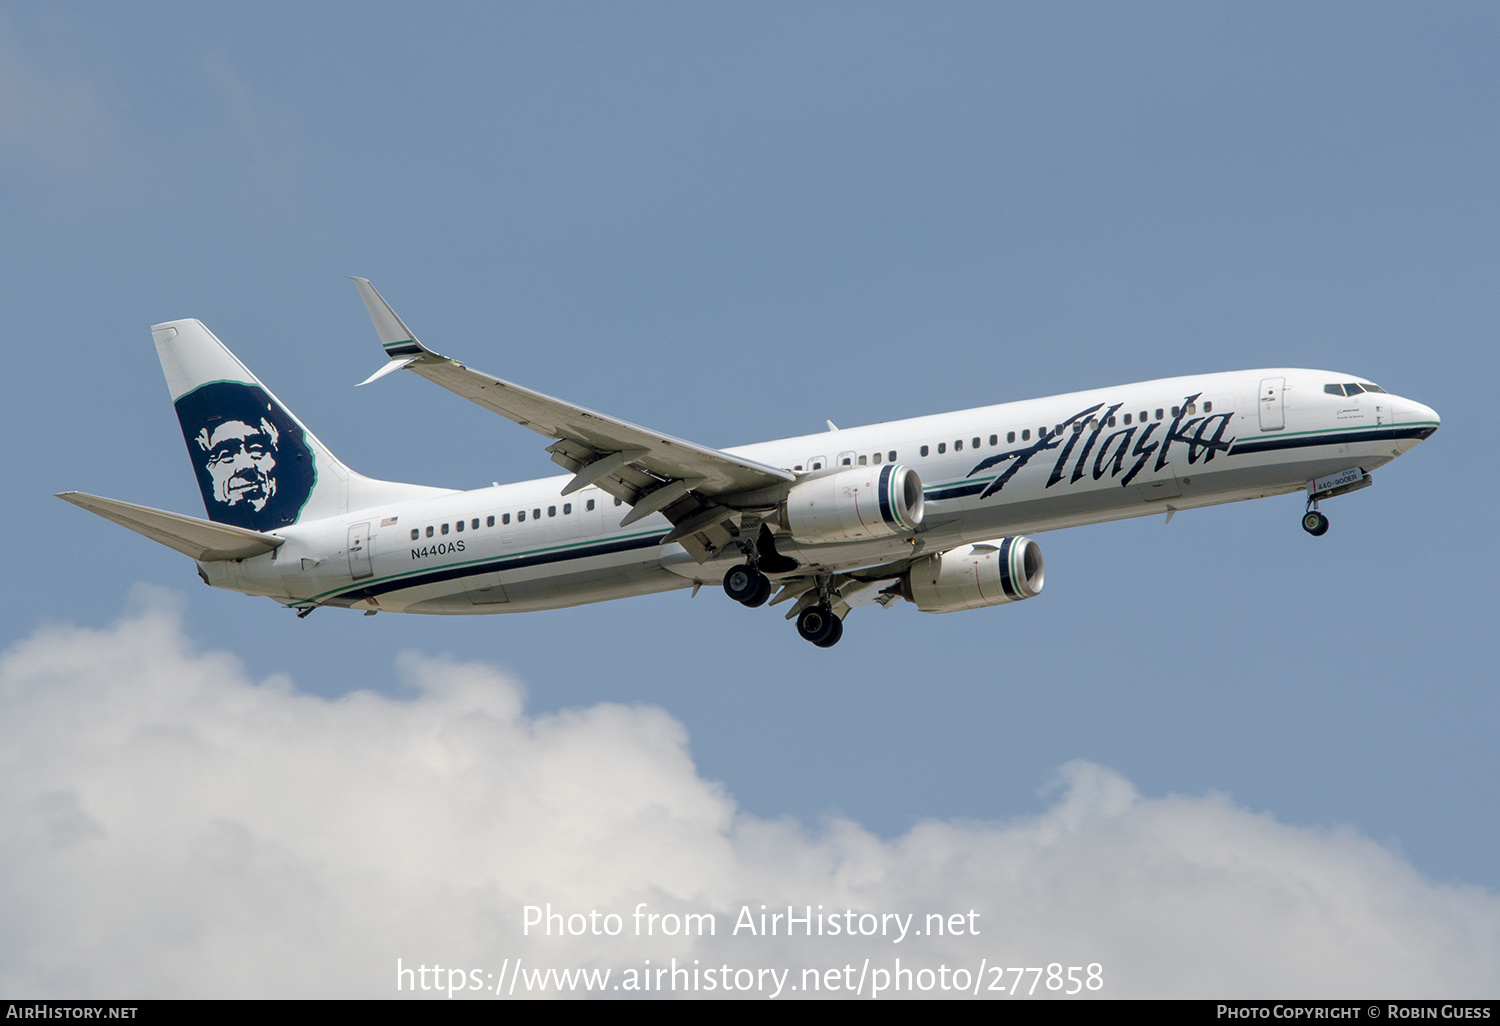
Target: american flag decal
(388, 521)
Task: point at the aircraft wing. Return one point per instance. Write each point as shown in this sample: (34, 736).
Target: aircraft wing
(204, 540)
(654, 472)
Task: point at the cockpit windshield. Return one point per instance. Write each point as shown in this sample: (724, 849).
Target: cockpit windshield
(1352, 388)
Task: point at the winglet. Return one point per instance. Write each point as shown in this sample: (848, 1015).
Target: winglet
(389, 368)
(395, 336)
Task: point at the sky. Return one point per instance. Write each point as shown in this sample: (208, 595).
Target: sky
(1271, 755)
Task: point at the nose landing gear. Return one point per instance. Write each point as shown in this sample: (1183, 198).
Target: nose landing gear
(1351, 480)
(1315, 523)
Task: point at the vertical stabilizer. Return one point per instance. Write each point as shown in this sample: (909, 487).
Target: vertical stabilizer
(258, 466)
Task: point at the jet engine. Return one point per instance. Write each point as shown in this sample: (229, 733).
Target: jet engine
(973, 576)
(855, 504)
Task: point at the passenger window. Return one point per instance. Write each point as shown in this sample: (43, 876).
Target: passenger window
(976, 442)
(505, 518)
(474, 524)
(460, 525)
(589, 505)
(567, 508)
(536, 514)
(863, 460)
(877, 459)
(489, 521)
(1192, 409)
(891, 456)
(942, 448)
(1057, 430)
(415, 534)
(1158, 413)
(429, 530)
(924, 450)
(1175, 411)
(958, 445)
(1026, 435)
(846, 461)
(797, 467)
(1208, 407)
(1010, 437)
(1127, 418)
(445, 529)
(521, 517)
(994, 440)
(817, 465)
(1111, 422)
(1144, 418)
(552, 511)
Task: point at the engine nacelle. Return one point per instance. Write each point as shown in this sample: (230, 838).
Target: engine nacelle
(856, 504)
(975, 576)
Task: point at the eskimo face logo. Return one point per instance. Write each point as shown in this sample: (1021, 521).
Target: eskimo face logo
(241, 461)
(254, 466)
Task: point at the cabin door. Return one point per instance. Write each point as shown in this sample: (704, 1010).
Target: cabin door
(359, 552)
(1272, 416)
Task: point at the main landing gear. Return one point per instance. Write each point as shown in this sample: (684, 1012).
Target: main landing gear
(747, 585)
(818, 625)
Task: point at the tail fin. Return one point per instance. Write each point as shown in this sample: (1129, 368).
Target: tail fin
(258, 466)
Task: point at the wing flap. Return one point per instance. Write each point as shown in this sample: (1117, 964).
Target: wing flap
(203, 540)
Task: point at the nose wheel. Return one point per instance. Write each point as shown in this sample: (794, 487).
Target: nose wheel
(1315, 523)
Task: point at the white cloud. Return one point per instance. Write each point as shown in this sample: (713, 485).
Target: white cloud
(170, 828)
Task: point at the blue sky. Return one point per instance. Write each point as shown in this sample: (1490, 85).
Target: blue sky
(732, 223)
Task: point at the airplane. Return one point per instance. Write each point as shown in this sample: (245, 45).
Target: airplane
(937, 511)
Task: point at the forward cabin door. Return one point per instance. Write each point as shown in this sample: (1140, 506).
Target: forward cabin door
(1272, 416)
(359, 552)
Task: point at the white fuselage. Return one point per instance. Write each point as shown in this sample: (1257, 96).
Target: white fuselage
(1205, 439)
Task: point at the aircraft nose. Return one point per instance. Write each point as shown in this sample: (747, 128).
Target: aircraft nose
(1411, 412)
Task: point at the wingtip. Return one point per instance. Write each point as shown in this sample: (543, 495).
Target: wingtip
(389, 368)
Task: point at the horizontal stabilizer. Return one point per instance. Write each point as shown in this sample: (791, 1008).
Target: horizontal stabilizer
(204, 540)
